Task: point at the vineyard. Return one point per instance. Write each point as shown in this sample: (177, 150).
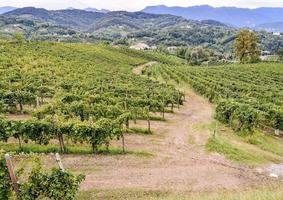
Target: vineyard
(92, 99)
(84, 93)
(248, 97)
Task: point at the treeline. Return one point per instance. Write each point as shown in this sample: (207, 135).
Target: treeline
(246, 47)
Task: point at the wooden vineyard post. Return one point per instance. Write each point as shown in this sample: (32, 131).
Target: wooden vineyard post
(178, 99)
(12, 173)
(37, 102)
(126, 108)
(127, 121)
(123, 143)
(163, 108)
(59, 161)
(163, 102)
(178, 96)
(277, 132)
(215, 130)
(60, 136)
(61, 141)
(20, 142)
(148, 120)
(101, 86)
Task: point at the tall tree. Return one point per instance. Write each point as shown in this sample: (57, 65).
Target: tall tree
(198, 55)
(246, 46)
(280, 54)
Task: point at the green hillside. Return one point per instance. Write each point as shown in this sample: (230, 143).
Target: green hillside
(78, 19)
(128, 27)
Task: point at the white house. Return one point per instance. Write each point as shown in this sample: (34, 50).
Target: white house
(140, 46)
(276, 33)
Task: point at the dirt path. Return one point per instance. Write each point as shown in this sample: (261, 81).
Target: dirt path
(176, 165)
(179, 162)
(138, 70)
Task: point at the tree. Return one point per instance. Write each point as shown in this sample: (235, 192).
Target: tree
(181, 52)
(19, 37)
(162, 49)
(121, 41)
(280, 54)
(198, 55)
(246, 46)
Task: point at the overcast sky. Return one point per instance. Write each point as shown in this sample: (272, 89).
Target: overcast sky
(135, 5)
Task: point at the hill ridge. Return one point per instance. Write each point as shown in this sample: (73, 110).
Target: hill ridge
(240, 17)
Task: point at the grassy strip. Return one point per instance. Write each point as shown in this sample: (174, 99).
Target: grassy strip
(118, 194)
(154, 118)
(70, 149)
(267, 143)
(237, 153)
(252, 150)
(272, 192)
(139, 130)
(157, 118)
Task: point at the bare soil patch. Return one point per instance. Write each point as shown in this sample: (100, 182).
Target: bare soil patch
(19, 117)
(177, 165)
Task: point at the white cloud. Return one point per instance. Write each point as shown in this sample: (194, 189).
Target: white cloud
(134, 5)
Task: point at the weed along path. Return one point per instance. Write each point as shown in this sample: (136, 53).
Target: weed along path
(178, 162)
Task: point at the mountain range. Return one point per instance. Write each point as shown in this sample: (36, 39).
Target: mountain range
(271, 27)
(6, 9)
(238, 17)
(73, 18)
(121, 27)
(90, 21)
(97, 10)
(269, 19)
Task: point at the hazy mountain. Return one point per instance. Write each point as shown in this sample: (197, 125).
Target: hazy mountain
(240, 17)
(73, 18)
(92, 21)
(90, 9)
(6, 9)
(97, 10)
(33, 29)
(137, 21)
(272, 27)
(213, 23)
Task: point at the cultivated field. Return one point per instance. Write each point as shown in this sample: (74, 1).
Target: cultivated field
(248, 96)
(141, 125)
